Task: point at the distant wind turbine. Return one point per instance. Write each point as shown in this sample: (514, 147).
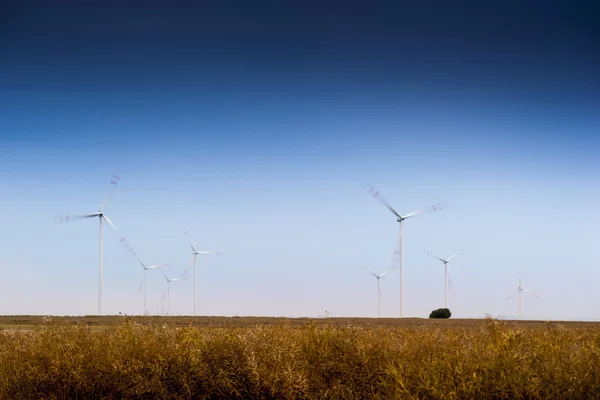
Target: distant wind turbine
(519, 292)
(101, 216)
(378, 287)
(146, 268)
(169, 280)
(445, 261)
(436, 207)
(195, 253)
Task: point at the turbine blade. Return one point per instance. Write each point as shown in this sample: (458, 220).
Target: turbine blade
(531, 293)
(109, 222)
(455, 255)
(434, 256)
(513, 295)
(127, 246)
(114, 181)
(185, 233)
(433, 208)
(61, 219)
(375, 193)
(140, 261)
(157, 266)
(375, 275)
(184, 276)
(383, 274)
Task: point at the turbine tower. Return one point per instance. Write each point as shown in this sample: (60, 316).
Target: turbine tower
(195, 253)
(378, 287)
(519, 292)
(400, 219)
(445, 261)
(101, 216)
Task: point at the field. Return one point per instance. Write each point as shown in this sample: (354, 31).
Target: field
(262, 358)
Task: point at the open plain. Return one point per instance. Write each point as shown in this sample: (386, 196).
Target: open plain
(266, 358)
(28, 321)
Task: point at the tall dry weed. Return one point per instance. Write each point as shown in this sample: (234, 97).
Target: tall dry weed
(497, 360)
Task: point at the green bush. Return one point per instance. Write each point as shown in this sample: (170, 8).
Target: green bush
(440, 313)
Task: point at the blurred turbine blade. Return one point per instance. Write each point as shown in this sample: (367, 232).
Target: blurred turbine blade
(513, 295)
(433, 208)
(531, 293)
(383, 274)
(61, 219)
(375, 275)
(185, 233)
(434, 256)
(127, 246)
(455, 255)
(140, 261)
(109, 222)
(115, 179)
(184, 275)
(375, 193)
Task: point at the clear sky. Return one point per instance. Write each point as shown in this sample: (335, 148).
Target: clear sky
(256, 125)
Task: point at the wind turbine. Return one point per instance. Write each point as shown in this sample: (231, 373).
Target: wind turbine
(378, 287)
(169, 280)
(445, 261)
(195, 253)
(146, 268)
(101, 216)
(519, 292)
(400, 219)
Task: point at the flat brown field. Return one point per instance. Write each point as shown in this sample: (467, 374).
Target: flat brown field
(24, 321)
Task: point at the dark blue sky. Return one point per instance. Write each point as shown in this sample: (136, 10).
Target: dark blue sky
(287, 76)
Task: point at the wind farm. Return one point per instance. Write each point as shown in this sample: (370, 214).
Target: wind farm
(300, 200)
(197, 275)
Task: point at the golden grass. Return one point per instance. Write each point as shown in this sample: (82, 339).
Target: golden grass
(495, 360)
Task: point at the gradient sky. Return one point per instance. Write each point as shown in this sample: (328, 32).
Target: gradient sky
(256, 125)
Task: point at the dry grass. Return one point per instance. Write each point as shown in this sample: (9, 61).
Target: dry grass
(493, 360)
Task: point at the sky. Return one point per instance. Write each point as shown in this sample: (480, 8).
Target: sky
(257, 125)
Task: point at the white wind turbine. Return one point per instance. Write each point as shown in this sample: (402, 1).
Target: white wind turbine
(445, 261)
(146, 268)
(400, 219)
(195, 253)
(169, 280)
(519, 292)
(378, 287)
(101, 216)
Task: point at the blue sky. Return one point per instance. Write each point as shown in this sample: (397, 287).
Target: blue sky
(256, 129)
